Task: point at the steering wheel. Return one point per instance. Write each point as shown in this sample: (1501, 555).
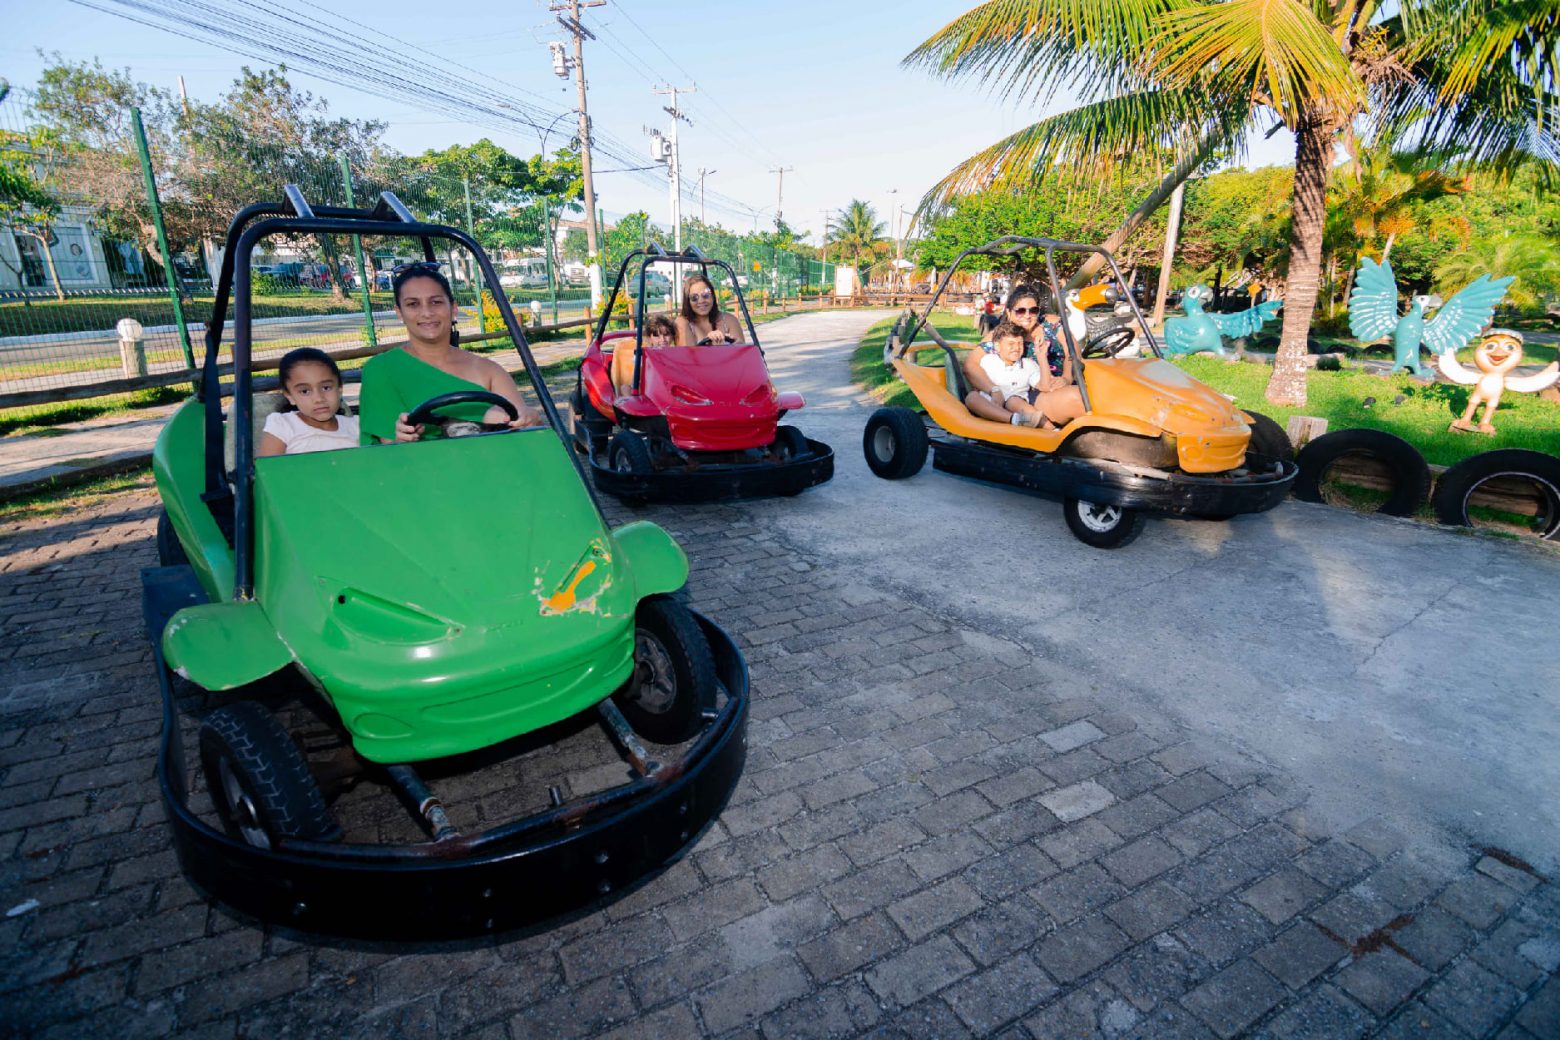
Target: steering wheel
(424, 413)
(1109, 343)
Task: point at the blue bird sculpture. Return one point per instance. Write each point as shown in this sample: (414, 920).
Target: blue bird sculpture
(1199, 330)
(1373, 314)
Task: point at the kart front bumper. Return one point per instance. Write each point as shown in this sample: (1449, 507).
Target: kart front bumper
(717, 481)
(519, 872)
(1172, 494)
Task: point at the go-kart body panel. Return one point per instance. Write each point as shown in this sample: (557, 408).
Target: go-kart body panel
(439, 606)
(713, 398)
(225, 644)
(176, 465)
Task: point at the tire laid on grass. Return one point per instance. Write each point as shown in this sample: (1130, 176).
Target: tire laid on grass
(1409, 472)
(673, 684)
(894, 443)
(259, 781)
(1268, 439)
(170, 553)
(1103, 527)
(1458, 484)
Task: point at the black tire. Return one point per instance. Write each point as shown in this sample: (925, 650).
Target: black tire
(673, 684)
(1458, 484)
(790, 445)
(170, 553)
(1103, 527)
(627, 452)
(894, 443)
(588, 424)
(259, 781)
(1268, 439)
(1410, 474)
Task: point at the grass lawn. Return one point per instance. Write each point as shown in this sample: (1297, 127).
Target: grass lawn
(1421, 418)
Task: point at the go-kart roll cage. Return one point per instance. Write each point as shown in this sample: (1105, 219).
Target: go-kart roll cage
(1012, 245)
(655, 253)
(296, 216)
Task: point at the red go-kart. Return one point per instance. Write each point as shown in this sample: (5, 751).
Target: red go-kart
(696, 423)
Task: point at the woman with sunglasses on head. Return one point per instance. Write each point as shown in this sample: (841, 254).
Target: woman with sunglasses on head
(701, 321)
(1058, 396)
(429, 364)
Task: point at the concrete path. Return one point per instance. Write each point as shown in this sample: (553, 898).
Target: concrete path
(1390, 666)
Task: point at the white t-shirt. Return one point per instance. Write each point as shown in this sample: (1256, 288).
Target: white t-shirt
(1013, 380)
(299, 436)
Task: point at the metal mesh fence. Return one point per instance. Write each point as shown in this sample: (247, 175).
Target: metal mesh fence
(109, 253)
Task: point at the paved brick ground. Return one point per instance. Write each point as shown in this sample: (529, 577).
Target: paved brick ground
(929, 841)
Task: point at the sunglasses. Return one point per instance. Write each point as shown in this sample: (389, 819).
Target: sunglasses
(416, 265)
(701, 296)
(1025, 310)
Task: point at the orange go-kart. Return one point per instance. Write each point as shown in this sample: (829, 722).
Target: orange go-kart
(1151, 440)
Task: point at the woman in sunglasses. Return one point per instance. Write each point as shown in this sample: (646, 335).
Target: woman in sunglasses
(701, 321)
(1059, 398)
(430, 363)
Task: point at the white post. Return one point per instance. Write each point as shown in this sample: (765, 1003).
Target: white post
(132, 348)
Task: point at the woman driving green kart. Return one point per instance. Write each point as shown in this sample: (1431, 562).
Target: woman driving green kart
(431, 364)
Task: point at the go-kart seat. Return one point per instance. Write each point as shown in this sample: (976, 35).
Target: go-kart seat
(958, 386)
(260, 409)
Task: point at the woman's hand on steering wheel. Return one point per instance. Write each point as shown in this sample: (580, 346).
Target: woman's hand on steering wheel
(409, 426)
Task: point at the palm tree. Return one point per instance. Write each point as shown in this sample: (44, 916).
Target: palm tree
(858, 234)
(1532, 258)
(1194, 78)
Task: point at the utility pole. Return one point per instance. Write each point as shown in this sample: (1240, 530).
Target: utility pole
(823, 235)
(702, 174)
(674, 160)
(577, 29)
(780, 193)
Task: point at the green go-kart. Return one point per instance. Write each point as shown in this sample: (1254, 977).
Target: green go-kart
(446, 608)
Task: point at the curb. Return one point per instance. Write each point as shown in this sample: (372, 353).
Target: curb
(104, 467)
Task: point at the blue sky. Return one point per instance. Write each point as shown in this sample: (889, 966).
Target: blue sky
(815, 85)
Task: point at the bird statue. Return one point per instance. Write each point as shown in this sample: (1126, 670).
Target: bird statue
(1495, 358)
(1090, 329)
(1373, 314)
(1199, 330)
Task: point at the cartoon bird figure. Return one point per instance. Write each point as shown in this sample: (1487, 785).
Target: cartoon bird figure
(1373, 314)
(1500, 352)
(1086, 327)
(1199, 330)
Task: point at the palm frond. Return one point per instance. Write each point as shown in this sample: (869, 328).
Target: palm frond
(1030, 46)
(1276, 49)
(1095, 136)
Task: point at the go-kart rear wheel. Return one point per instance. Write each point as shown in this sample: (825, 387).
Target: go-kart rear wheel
(259, 781)
(895, 443)
(673, 684)
(789, 444)
(628, 453)
(1102, 526)
(170, 553)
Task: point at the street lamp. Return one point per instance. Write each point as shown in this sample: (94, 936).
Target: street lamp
(542, 133)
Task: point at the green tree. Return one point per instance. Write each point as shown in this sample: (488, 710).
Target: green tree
(28, 200)
(1533, 259)
(1193, 78)
(857, 236)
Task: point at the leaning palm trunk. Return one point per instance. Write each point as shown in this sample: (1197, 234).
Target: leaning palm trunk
(1145, 209)
(1313, 148)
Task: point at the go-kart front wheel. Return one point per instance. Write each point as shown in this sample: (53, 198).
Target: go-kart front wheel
(259, 780)
(628, 453)
(1102, 526)
(790, 444)
(895, 443)
(673, 684)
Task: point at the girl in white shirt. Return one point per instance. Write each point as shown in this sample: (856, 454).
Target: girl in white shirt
(311, 382)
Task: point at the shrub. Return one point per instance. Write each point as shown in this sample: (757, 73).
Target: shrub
(1329, 363)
